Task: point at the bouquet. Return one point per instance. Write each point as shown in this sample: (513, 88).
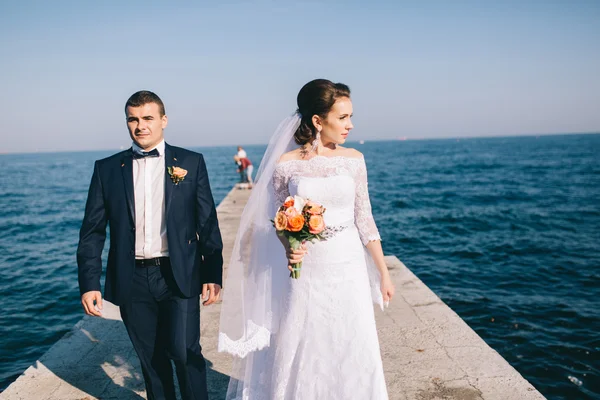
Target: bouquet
(300, 220)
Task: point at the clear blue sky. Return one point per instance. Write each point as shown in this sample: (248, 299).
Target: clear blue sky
(229, 71)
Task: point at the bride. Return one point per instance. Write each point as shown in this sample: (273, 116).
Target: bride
(313, 337)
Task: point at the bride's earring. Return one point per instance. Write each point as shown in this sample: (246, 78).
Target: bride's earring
(315, 143)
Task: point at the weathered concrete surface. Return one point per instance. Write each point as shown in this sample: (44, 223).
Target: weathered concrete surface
(428, 352)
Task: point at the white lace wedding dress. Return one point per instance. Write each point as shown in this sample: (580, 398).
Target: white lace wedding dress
(326, 346)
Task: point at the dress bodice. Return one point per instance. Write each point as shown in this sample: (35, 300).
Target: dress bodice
(338, 183)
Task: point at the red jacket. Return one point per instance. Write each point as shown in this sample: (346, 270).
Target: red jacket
(244, 163)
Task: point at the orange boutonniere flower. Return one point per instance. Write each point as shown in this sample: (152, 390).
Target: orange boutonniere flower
(177, 174)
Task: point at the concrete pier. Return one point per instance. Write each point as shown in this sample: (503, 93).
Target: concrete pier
(428, 351)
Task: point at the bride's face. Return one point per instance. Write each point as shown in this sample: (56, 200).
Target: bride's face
(337, 125)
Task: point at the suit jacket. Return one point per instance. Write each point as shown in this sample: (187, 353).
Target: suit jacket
(195, 245)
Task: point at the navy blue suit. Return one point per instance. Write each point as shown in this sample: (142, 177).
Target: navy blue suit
(159, 305)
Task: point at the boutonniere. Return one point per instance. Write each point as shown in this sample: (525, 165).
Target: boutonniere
(177, 174)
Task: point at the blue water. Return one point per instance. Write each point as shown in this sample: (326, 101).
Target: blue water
(505, 230)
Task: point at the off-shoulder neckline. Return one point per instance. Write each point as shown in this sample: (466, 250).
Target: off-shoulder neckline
(318, 157)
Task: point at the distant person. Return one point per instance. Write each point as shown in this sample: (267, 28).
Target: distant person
(241, 152)
(165, 249)
(245, 168)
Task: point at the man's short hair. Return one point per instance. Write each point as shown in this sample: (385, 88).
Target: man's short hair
(142, 97)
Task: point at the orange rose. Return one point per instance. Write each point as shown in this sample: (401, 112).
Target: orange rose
(280, 221)
(313, 208)
(295, 223)
(289, 202)
(316, 224)
(179, 172)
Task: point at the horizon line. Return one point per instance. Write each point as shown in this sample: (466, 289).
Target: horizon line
(398, 139)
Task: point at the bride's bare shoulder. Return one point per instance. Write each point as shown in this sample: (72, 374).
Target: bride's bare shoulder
(349, 152)
(291, 155)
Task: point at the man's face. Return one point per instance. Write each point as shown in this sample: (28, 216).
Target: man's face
(146, 125)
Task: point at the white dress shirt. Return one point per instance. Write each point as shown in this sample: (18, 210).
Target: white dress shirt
(149, 194)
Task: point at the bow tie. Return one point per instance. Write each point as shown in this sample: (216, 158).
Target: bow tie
(151, 153)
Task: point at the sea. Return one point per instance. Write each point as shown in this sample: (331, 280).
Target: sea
(505, 230)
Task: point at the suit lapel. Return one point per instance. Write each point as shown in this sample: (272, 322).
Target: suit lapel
(127, 170)
(170, 161)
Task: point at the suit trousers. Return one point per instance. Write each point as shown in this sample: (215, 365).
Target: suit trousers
(164, 326)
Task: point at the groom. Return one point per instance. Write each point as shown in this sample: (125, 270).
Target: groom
(165, 249)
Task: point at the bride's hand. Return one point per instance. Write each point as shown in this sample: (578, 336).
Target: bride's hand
(295, 256)
(387, 289)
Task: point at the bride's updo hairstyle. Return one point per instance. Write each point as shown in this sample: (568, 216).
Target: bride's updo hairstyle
(316, 98)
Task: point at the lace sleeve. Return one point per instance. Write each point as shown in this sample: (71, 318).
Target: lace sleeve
(280, 185)
(363, 218)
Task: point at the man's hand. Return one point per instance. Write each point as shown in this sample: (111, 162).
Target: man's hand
(210, 293)
(87, 301)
